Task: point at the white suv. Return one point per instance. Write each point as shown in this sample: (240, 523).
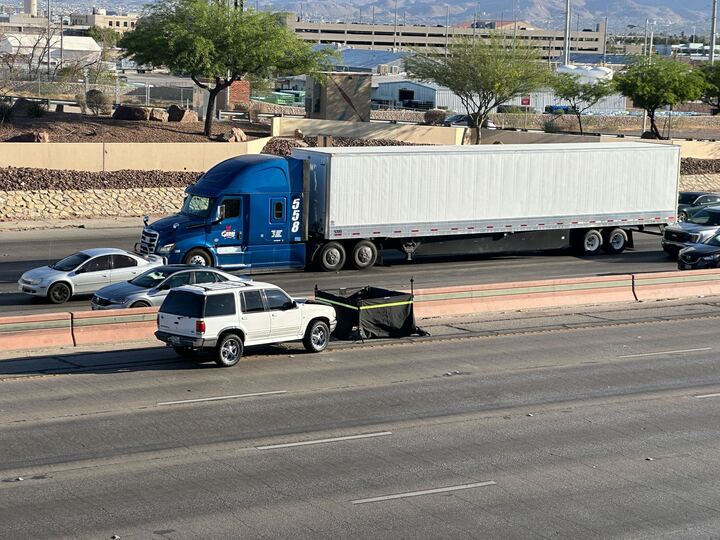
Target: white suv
(229, 316)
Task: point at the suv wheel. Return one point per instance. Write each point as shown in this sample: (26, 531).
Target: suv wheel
(229, 350)
(317, 336)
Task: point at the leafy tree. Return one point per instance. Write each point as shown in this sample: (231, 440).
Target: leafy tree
(217, 46)
(655, 82)
(711, 94)
(482, 73)
(580, 96)
(106, 36)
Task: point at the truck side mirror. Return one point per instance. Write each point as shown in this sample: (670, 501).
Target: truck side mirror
(220, 214)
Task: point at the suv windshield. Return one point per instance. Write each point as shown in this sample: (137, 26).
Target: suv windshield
(151, 278)
(71, 262)
(184, 303)
(705, 217)
(197, 206)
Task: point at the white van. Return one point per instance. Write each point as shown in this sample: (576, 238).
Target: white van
(227, 317)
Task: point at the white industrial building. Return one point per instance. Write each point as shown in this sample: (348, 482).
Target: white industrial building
(400, 91)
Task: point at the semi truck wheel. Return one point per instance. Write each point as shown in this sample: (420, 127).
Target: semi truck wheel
(615, 241)
(199, 257)
(592, 242)
(364, 255)
(332, 257)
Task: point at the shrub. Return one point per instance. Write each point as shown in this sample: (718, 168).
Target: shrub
(434, 117)
(5, 112)
(98, 102)
(549, 126)
(36, 109)
(80, 98)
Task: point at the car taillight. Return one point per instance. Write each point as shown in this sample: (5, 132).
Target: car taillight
(200, 327)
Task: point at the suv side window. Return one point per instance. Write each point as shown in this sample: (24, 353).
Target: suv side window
(252, 302)
(277, 300)
(217, 305)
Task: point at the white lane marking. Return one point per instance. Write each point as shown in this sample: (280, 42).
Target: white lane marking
(322, 441)
(423, 492)
(665, 352)
(707, 396)
(220, 398)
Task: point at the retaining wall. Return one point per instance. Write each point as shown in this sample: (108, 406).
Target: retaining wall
(98, 157)
(117, 326)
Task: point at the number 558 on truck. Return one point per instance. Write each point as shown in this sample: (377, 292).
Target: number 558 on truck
(337, 207)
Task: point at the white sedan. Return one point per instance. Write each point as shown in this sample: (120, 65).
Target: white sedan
(85, 272)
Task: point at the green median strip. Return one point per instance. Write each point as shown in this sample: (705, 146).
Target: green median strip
(640, 281)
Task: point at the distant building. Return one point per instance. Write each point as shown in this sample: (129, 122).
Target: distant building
(32, 46)
(367, 60)
(408, 37)
(104, 19)
(30, 7)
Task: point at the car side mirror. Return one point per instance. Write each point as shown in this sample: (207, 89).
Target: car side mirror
(80, 271)
(290, 305)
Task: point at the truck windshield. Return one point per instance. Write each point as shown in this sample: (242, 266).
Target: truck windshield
(197, 206)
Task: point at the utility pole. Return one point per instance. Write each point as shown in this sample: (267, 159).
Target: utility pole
(447, 28)
(566, 49)
(645, 41)
(713, 30)
(514, 22)
(395, 28)
(605, 40)
(48, 41)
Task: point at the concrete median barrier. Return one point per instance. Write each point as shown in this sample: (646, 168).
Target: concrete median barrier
(672, 285)
(523, 295)
(36, 331)
(112, 326)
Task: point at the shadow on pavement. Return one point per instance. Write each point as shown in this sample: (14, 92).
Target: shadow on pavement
(128, 360)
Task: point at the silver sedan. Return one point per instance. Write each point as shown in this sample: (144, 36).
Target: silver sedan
(85, 272)
(151, 288)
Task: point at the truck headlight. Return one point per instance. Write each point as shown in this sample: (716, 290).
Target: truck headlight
(167, 248)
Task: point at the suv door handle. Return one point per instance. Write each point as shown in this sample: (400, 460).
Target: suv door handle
(273, 315)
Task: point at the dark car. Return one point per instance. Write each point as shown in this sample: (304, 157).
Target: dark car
(464, 120)
(691, 201)
(699, 256)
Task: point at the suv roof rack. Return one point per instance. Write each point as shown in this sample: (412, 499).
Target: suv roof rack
(224, 285)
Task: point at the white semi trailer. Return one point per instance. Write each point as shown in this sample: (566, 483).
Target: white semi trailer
(483, 199)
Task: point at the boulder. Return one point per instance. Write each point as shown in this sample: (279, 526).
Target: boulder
(234, 135)
(126, 112)
(33, 136)
(159, 115)
(176, 114)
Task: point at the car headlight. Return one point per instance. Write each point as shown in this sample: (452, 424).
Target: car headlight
(32, 281)
(167, 248)
(711, 257)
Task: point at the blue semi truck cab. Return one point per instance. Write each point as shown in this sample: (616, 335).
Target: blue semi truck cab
(246, 212)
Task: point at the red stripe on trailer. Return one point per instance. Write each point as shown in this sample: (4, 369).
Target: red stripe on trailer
(610, 220)
(592, 221)
(624, 219)
(470, 228)
(490, 227)
(575, 222)
(559, 223)
(356, 234)
(397, 232)
(376, 232)
(506, 226)
(414, 231)
(433, 230)
(523, 225)
(453, 228)
(541, 224)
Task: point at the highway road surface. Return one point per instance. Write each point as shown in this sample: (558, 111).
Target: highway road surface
(20, 251)
(579, 424)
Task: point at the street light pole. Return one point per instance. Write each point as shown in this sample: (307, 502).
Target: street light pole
(647, 21)
(447, 28)
(395, 28)
(48, 40)
(566, 50)
(713, 30)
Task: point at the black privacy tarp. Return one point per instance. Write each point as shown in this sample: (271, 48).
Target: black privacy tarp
(371, 312)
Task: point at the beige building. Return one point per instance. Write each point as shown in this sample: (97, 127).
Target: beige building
(388, 36)
(99, 17)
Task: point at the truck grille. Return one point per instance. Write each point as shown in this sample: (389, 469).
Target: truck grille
(148, 241)
(677, 236)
